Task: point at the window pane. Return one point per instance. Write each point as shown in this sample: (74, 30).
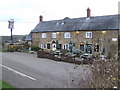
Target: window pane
(43, 35)
(88, 34)
(53, 35)
(44, 45)
(82, 47)
(67, 35)
(48, 46)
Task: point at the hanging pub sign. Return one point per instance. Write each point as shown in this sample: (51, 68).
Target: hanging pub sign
(11, 24)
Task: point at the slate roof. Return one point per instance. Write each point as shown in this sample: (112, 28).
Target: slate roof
(16, 38)
(108, 22)
(28, 37)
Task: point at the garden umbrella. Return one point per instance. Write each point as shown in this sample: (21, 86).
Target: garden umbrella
(86, 46)
(103, 51)
(57, 45)
(70, 46)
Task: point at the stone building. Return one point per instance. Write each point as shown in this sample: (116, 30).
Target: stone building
(98, 33)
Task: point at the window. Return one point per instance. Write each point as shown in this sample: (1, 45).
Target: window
(96, 48)
(48, 46)
(88, 34)
(89, 48)
(66, 46)
(60, 46)
(114, 39)
(43, 45)
(67, 35)
(53, 35)
(44, 35)
(82, 47)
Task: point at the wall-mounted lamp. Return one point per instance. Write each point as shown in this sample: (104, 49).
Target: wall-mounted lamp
(103, 32)
(81, 43)
(77, 32)
(96, 44)
(58, 32)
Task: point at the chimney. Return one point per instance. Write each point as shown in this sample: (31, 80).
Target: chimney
(88, 13)
(40, 18)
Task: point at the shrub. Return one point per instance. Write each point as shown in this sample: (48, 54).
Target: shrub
(96, 54)
(16, 48)
(64, 51)
(35, 48)
(77, 52)
(104, 74)
(4, 50)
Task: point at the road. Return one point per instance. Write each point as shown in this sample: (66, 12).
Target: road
(24, 70)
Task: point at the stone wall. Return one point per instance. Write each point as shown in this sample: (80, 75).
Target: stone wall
(101, 38)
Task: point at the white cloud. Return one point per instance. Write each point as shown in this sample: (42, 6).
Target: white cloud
(29, 11)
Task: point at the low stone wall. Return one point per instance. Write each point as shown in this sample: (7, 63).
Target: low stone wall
(65, 58)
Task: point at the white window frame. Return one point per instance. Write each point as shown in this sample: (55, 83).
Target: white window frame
(43, 46)
(67, 35)
(44, 35)
(66, 46)
(54, 35)
(88, 34)
(114, 39)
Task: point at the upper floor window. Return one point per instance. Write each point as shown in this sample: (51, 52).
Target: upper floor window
(44, 35)
(114, 39)
(67, 35)
(54, 35)
(88, 34)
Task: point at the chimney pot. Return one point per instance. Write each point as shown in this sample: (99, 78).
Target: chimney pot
(40, 18)
(88, 13)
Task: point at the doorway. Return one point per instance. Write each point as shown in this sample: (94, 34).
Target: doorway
(53, 47)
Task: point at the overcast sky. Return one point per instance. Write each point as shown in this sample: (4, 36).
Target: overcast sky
(26, 12)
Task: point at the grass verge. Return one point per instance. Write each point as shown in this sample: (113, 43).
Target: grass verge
(5, 86)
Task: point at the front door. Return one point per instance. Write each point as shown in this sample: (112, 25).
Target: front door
(89, 48)
(53, 47)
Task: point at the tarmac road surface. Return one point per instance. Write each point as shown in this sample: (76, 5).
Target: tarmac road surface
(24, 70)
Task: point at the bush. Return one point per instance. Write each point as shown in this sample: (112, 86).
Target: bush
(104, 74)
(4, 50)
(64, 51)
(16, 48)
(96, 54)
(77, 52)
(35, 48)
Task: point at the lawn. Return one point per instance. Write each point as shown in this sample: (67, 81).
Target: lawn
(5, 86)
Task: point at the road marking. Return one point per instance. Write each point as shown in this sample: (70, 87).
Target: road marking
(17, 72)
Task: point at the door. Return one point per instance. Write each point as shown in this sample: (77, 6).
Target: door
(89, 48)
(53, 47)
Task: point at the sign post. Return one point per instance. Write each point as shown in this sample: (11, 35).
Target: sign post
(11, 27)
